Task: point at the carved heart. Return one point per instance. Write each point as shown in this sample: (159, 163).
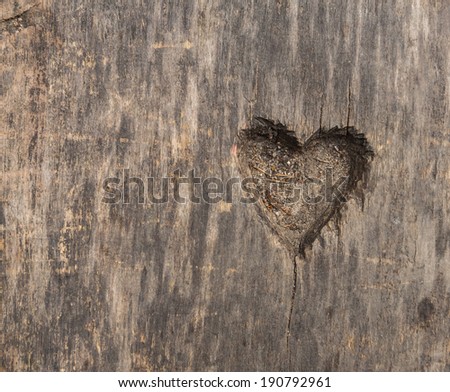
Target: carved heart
(300, 187)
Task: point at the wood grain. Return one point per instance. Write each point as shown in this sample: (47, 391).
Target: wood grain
(92, 88)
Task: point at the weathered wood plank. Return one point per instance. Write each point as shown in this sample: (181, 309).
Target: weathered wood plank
(92, 88)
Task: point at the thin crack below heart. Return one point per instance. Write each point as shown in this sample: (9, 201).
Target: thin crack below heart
(300, 187)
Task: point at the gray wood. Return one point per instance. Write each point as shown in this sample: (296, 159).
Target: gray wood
(92, 88)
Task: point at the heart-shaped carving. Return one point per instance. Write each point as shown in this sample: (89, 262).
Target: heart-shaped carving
(300, 187)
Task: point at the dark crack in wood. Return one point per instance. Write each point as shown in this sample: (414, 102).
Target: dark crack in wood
(17, 22)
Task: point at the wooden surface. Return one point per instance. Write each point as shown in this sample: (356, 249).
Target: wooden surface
(92, 88)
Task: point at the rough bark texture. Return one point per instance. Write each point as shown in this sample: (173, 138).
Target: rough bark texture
(92, 88)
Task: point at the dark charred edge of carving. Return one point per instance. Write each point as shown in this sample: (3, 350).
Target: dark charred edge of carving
(264, 128)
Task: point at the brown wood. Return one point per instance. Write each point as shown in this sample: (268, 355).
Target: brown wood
(92, 88)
